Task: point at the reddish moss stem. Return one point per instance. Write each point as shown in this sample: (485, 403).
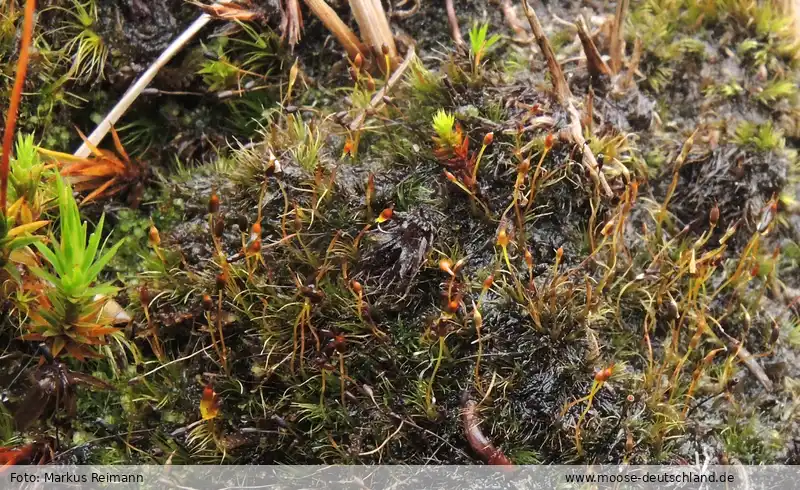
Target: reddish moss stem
(16, 95)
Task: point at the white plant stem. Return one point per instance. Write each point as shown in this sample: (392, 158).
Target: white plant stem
(139, 85)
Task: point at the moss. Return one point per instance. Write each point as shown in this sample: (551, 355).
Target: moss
(763, 137)
(363, 298)
(750, 442)
(7, 432)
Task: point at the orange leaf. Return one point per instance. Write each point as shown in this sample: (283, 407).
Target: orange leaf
(98, 331)
(209, 404)
(58, 345)
(81, 352)
(12, 455)
(91, 171)
(76, 351)
(80, 338)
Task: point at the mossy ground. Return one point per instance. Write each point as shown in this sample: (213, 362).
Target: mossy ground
(613, 281)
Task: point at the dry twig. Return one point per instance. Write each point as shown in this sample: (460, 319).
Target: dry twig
(452, 19)
(560, 86)
(139, 85)
(617, 33)
(594, 61)
(377, 100)
(374, 27)
(633, 65)
(563, 96)
(292, 23)
(338, 28)
(750, 363)
(792, 9)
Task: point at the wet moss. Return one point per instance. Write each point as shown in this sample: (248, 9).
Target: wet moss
(340, 329)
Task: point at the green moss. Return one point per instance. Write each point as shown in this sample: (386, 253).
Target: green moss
(763, 137)
(584, 282)
(306, 143)
(426, 91)
(750, 442)
(8, 436)
(778, 90)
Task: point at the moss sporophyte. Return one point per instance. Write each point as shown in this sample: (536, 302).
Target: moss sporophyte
(283, 236)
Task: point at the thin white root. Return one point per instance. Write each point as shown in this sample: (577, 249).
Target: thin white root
(139, 85)
(377, 449)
